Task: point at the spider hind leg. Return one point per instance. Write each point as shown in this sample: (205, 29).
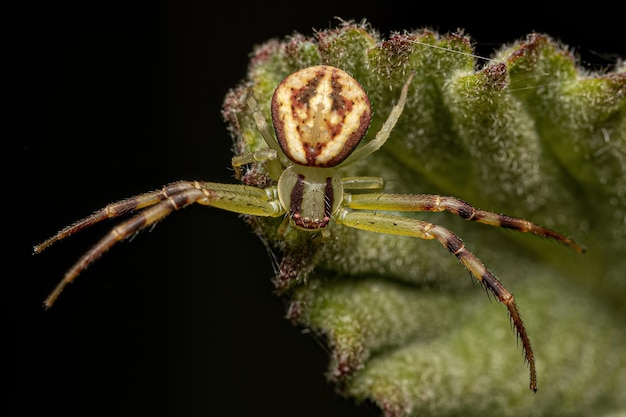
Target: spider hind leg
(489, 281)
(403, 226)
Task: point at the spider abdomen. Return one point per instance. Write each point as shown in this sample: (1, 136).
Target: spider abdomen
(320, 114)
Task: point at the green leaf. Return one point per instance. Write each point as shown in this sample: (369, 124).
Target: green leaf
(529, 134)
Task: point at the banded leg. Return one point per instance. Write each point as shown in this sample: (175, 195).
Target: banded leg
(437, 203)
(116, 209)
(155, 206)
(397, 225)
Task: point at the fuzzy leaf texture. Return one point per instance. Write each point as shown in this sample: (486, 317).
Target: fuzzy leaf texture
(529, 134)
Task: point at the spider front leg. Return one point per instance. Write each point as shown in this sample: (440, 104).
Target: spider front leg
(155, 206)
(437, 203)
(397, 225)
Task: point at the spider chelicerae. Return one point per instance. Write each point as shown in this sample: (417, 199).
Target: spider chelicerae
(319, 114)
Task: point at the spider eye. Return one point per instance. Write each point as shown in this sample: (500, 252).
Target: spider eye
(320, 115)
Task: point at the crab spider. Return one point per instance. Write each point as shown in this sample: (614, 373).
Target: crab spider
(319, 114)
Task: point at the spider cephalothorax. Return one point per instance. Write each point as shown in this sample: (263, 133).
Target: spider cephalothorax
(320, 114)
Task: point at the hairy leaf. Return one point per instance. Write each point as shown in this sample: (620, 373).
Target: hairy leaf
(528, 133)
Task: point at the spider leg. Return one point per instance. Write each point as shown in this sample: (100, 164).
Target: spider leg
(397, 225)
(263, 127)
(381, 137)
(156, 206)
(437, 203)
(116, 209)
(280, 159)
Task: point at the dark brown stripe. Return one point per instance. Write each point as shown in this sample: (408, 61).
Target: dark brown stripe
(466, 211)
(328, 200)
(295, 205)
(453, 243)
(304, 94)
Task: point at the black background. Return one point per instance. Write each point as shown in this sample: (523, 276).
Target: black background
(115, 98)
